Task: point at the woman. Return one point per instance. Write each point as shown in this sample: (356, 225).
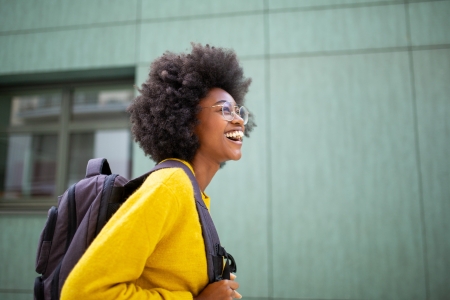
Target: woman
(190, 109)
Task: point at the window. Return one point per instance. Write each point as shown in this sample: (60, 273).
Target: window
(47, 135)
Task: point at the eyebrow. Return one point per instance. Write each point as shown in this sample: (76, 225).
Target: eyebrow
(223, 101)
(220, 102)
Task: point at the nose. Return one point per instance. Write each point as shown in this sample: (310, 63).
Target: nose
(237, 119)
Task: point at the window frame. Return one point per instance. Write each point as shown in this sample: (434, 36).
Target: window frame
(63, 129)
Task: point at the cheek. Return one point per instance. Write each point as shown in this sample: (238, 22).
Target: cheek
(203, 133)
(209, 133)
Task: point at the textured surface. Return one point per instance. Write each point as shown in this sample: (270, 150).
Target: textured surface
(286, 4)
(37, 15)
(18, 244)
(242, 33)
(432, 73)
(348, 178)
(94, 47)
(16, 296)
(430, 23)
(154, 9)
(340, 29)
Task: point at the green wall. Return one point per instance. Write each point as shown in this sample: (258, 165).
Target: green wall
(343, 191)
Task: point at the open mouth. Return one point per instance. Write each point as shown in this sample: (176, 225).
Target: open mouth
(235, 135)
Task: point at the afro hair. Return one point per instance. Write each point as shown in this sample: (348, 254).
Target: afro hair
(164, 115)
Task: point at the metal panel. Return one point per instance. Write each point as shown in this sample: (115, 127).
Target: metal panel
(18, 244)
(337, 29)
(313, 4)
(430, 23)
(94, 47)
(16, 296)
(155, 9)
(242, 33)
(346, 219)
(432, 74)
(25, 15)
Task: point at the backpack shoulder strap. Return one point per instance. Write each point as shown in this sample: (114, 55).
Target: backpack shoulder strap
(97, 166)
(215, 253)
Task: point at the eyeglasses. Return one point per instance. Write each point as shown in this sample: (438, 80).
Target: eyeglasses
(229, 111)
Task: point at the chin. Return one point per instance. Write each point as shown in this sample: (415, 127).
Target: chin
(234, 157)
(237, 156)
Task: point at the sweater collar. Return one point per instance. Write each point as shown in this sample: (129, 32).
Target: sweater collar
(205, 197)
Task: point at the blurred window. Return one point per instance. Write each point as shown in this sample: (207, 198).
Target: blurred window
(99, 104)
(35, 108)
(111, 144)
(30, 165)
(48, 136)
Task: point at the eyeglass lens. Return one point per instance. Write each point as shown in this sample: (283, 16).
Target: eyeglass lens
(227, 111)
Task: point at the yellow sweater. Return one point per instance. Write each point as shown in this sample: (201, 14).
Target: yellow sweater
(152, 248)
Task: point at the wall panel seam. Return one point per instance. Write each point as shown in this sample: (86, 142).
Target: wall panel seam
(417, 152)
(203, 16)
(358, 51)
(345, 6)
(16, 291)
(67, 28)
(138, 32)
(270, 277)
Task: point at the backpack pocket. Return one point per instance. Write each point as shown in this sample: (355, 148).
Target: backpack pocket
(45, 241)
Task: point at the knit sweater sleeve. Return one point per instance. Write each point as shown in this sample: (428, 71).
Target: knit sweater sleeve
(114, 263)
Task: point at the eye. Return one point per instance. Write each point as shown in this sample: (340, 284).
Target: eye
(226, 108)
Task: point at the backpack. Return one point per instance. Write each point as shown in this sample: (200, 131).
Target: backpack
(83, 211)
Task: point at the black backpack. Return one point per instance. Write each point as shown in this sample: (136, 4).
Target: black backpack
(85, 208)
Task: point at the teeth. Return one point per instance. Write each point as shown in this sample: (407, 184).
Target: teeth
(235, 134)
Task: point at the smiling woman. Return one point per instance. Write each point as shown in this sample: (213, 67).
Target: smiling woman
(191, 110)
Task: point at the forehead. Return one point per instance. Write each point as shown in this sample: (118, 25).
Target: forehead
(216, 96)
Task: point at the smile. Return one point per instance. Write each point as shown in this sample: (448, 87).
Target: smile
(235, 135)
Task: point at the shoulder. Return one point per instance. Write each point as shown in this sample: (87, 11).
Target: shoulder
(170, 178)
(162, 194)
(170, 186)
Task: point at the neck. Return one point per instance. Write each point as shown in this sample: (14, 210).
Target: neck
(204, 169)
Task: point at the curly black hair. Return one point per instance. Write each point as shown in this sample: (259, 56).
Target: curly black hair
(164, 115)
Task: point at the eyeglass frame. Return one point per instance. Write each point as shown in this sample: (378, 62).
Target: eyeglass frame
(234, 114)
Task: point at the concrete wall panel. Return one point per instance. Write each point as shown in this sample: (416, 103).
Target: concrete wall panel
(339, 29)
(35, 15)
(18, 245)
(430, 23)
(346, 205)
(154, 9)
(432, 73)
(286, 4)
(242, 33)
(94, 47)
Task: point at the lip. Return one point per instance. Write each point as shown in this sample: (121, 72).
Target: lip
(235, 129)
(236, 142)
